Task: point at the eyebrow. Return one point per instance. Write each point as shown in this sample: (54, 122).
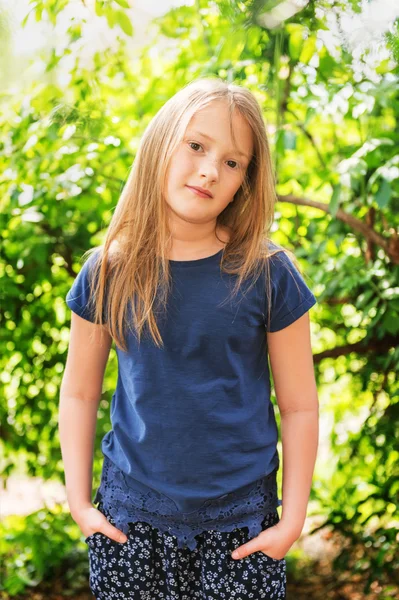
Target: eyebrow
(193, 132)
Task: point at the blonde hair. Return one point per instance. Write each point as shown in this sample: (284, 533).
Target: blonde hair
(132, 269)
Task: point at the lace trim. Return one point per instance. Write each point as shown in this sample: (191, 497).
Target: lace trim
(245, 508)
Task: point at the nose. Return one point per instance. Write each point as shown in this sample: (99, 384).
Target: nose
(209, 169)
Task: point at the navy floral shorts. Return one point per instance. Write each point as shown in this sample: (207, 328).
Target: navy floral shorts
(150, 566)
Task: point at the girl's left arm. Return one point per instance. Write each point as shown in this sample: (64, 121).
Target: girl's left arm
(291, 362)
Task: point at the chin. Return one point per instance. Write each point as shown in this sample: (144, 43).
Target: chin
(196, 217)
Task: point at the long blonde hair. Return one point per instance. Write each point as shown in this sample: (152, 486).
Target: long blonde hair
(132, 269)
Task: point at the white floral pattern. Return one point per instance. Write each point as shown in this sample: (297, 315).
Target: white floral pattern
(151, 566)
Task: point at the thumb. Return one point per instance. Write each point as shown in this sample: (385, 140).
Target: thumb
(246, 549)
(114, 533)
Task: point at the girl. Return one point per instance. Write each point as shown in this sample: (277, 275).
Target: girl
(196, 298)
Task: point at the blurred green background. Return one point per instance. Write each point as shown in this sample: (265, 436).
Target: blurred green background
(80, 81)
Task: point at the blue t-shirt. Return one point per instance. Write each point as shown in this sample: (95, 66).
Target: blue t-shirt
(192, 422)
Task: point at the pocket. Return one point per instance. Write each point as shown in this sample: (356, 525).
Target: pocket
(276, 560)
(97, 538)
(267, 562)
(271, 564)
(90, 537)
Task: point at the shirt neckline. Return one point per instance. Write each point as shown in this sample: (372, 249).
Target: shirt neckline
(198, 261)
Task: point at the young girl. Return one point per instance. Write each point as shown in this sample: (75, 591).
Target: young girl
(196, 298)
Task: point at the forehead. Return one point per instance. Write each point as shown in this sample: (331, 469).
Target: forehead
(213, 123)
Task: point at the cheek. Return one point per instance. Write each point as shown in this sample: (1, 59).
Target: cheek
(234, 185)
(179, 168)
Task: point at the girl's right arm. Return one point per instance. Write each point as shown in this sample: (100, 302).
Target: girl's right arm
(80, 394)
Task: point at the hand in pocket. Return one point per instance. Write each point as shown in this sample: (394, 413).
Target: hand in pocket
(91, 520)
(274, 542)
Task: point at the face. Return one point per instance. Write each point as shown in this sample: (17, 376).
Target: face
(206, 158)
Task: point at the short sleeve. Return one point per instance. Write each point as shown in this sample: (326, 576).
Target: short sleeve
(78, 296)
(291, 297)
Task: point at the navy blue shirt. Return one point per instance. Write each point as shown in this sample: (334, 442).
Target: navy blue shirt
(193, 421)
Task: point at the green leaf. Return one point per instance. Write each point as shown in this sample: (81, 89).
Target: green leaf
(124, 22)
(296, 40)
(38, 13)
(385, 66)
(99, 8)
(280, 142)
(53, 61)
(335, 198)
(25, 19)
(310, 112)
(110, 15)
(308, 50)
(390, 322)
(384, 193)
(232, 46)
(75, 32)
(289, 140)
(123, 3)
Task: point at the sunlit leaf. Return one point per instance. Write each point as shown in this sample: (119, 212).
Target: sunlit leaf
(384, 193)
(124, 22)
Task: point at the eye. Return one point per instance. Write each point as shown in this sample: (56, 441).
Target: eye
(237, 166)
(236, 163)
(194, 144)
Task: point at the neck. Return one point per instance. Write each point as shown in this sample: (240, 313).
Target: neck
(198, 247)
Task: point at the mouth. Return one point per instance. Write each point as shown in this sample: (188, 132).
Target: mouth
(199, 192)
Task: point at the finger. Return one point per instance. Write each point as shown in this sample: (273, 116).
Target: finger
(245, 550)
(114, 533)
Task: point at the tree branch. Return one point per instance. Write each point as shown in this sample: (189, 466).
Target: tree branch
(373, 345)
(309, 136)
(389, 245)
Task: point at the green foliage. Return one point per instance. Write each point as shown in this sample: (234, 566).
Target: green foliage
(65, 153)
(26, 560)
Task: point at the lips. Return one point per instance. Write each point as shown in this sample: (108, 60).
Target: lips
(200, 192)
